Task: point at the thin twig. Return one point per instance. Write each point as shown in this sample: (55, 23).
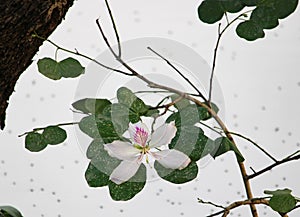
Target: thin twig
(220, 34)
(255, 144)
(115, 27)
(236, 204)
(270, 167)
(179, 72)
(211, 203)
(162, 91)
(211, 128)
(42, 128)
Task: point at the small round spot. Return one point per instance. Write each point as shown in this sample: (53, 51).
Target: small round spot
(276, 129)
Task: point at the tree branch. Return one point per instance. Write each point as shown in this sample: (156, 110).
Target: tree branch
(19, 20)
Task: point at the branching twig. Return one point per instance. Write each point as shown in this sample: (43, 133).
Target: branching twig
(270, 167)
(236, 204)
(220, 34)
(179, 72)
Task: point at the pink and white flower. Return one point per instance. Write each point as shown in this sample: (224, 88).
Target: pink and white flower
(142, 146)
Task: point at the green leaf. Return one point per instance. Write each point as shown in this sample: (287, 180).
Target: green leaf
(250, 2)
(54, 135)
(177, 176)
(129, 189)
(210, 11)
(191, 141)
(284, 8)
(264, 17)
(232, 6)
(120, 115)
(250, 30)
(223, 145)
(9, 211)
(99, 128)
(282, 201)
(181, 104)
(100, 158)
(35, 142)
(49, 68)
(95, 148)
(95, 177)
(70, 68)
(190, 115)
(127, 97)
(91, 105)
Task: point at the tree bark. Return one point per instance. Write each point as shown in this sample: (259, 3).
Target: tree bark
(19, 19)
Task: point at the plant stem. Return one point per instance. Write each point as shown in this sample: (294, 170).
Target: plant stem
(236, 204)
(42, 128)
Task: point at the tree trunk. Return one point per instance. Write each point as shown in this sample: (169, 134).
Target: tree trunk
(19, 19)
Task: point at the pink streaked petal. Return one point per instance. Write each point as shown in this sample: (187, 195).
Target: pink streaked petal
(139, 133)
(163, 135)
(121, 150)
(172, 159)
(124, 171)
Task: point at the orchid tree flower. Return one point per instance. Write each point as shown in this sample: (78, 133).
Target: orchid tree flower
(141, 147)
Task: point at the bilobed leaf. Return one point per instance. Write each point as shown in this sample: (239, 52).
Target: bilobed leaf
(282, 201)
(264, 17)
(223, 145)
(54, 135)
(177, 176)
(129, 189)
(9, 211)
(35, 142)
(250, 30)
(95, 177)
(49, 68)
(91, 105)
(70, 68)
(210, 11)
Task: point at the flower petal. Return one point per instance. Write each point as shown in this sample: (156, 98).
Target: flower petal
(121, 150)
(163, 135)
(172, 159)
(139, 133)
(124, 171)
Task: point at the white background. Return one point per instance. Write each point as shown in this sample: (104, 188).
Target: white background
(260, 81)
